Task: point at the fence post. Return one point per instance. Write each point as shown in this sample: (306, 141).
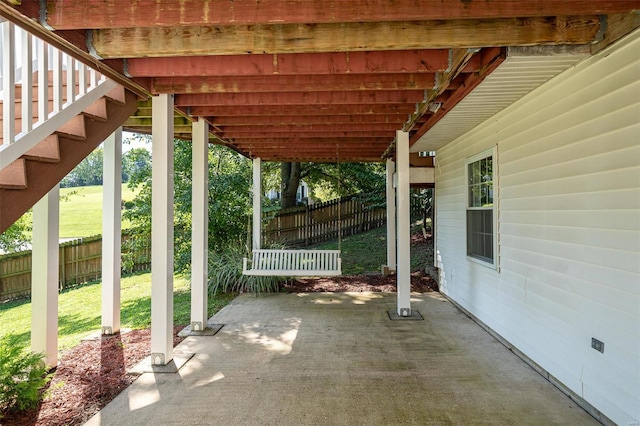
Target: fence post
(307, 226)
(63, 272)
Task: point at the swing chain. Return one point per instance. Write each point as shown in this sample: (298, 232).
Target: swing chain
(339, 198)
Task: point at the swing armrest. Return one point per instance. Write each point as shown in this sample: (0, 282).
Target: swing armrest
(244, 265)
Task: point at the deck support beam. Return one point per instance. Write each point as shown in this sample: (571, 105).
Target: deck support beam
(111, 232)
(391, 217)
(199, 224)
(44, 278)
(403, 275)
(162, 230)
(257, 203)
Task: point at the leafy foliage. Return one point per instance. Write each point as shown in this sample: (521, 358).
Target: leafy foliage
(329, 180)
(16, 237)
(88, 172)
(225, 273)
(134, 161)
(22, 376)
(229, 205)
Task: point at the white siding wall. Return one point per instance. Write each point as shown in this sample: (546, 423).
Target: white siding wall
(569, 228)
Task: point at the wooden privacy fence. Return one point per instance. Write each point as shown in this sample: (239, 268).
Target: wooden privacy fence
(80, 261)
(303, 226)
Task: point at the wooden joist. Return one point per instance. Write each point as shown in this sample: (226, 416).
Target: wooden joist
(80, 14)
(304, 38)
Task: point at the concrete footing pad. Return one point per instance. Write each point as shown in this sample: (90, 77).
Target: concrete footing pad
(210, 330)
(415, 316)
(180, 358)
(97, 335)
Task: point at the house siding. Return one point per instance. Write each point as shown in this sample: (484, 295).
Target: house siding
(568, 157)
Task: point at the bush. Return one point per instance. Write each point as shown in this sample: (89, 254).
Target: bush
(22, 376)
(225, 274)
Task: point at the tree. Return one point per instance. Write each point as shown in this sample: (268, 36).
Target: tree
(135, 161)
(88, 172)
(229, 199)
(290, 173)
(15, 238)
(332, 180)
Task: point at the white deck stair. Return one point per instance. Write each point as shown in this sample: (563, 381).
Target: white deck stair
(51, 118)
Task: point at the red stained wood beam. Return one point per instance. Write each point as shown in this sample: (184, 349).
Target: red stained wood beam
(313, 128)
(379, 62)
(360, 156)
(317, 158)
(267, 110)
(296, 83)
(306, 98)
(310, 142)
(282, 120)
(342, 37)
(328, 149)
(80, 14)
(234, 134)
(330, 145)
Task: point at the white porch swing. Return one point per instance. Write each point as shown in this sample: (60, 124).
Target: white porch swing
(288, 262)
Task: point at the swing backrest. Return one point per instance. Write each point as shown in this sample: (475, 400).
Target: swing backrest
(272, 262)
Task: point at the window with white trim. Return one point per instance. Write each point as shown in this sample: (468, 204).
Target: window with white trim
(481, 208)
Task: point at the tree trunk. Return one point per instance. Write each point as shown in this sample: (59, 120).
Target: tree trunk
(290, 180)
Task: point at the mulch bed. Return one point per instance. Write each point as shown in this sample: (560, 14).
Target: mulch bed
(93, 373)
(87, 378)
(420, 283)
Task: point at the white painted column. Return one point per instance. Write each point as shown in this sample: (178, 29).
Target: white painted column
(111, 232)
(44, 276)
(257, 203)
(391, 216)
(199, 224)
(403, 274)
(162, 230)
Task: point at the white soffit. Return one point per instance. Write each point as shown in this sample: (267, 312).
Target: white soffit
(523, 70)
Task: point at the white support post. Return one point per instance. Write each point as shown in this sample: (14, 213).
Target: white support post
(199, 225)
(391, 217)
(162, 230)
(44, 277)
(111, 232)
(257, 203)
(403, 275)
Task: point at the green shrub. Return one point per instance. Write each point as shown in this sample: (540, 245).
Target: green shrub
(22, 376)
(225, 274)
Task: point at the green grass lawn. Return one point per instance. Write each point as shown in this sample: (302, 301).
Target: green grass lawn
(80, 309)
(361, 253)
(81, 211)
(367, 252)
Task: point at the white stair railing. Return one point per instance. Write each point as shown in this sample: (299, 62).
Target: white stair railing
(84, 86)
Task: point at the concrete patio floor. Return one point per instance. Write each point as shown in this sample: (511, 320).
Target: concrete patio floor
(337, 359)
